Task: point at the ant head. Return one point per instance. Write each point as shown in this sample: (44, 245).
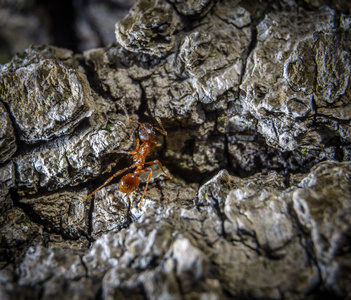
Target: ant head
(147, 132)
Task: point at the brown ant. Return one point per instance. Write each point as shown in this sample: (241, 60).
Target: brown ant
(130, 182)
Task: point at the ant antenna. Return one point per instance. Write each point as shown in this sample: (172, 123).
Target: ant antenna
(126, 113)
(162, 129)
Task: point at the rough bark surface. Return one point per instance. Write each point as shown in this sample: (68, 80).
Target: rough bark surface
(255, 98)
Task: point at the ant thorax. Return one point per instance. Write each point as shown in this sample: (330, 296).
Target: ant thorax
(147, 132)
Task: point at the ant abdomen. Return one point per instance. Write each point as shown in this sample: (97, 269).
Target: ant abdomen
(129, 183)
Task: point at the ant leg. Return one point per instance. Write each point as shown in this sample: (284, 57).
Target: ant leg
(108, 180)
(128, 152)
(160, 165)
(124, 152)
(138, 144)
(147, 184)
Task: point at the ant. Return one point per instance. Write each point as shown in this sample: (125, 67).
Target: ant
(130, 182)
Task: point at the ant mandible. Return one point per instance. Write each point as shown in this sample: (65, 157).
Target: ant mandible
(130, 182)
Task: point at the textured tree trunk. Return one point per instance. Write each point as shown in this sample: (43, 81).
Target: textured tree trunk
(255, 99)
